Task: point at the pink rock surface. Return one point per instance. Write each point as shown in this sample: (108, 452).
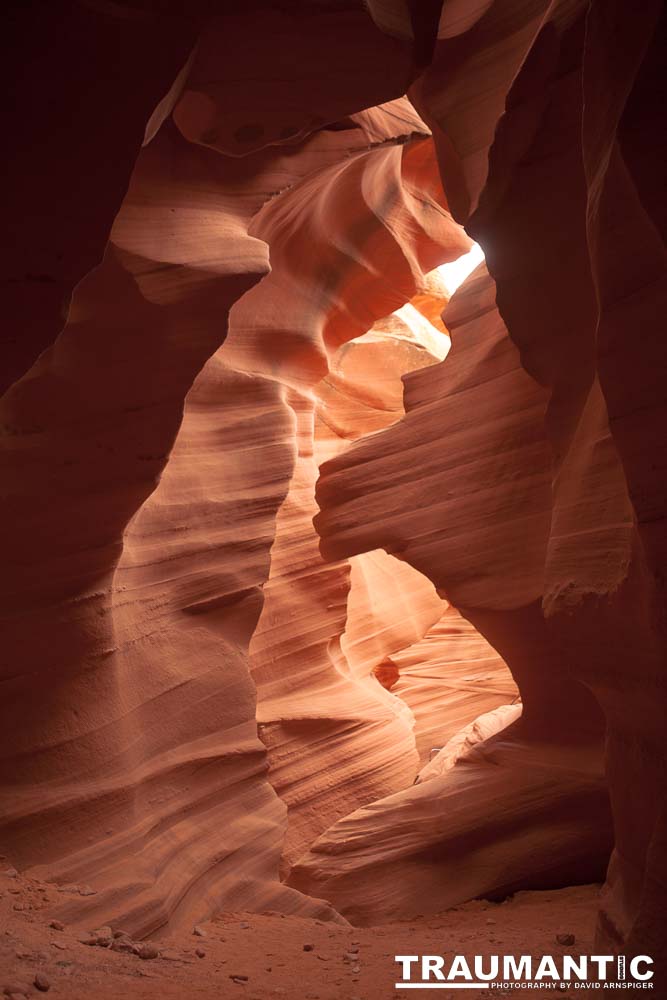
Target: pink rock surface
(222, 231)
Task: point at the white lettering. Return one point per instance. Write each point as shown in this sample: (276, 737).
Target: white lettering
(479, 967)
(512, 970)
(432, 964)
(570, 965)
(406, 961)
(547, 967)
(602, 963)
(634, 967)
(459, 967)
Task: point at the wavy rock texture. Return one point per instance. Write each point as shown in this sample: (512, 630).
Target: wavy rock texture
(156, 483)
(483, 727)
(103, 763)
(146, 747)
(485, 827)
(335, 737)
(586, 593)
(581, 110)
(147, 581)
(472, 517)
(450, 676)
(631, 286)
(333, 740)
(397, 628)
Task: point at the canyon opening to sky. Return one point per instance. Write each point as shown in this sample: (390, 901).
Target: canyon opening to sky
(333, 502)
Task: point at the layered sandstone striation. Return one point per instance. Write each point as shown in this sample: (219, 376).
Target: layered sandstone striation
(468, 505)
(335, 736)
(449, 677)
(138, 586)
(584, 594)
(217, 290)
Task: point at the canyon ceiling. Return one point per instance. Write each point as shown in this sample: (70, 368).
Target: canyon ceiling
(267, 540)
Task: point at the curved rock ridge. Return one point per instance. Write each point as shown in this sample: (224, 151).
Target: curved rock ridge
(333, 741)
(269, 181)
(480, 49)
(478, 731)
(475, 518)
(391, 607)
(623, 79)
(363, 389)
(125, 772)
(313, 704)
(396, 623)
(467, 516)
(484, 828)
(240, 98)
(590, 575)
(380, 222)
(93, 424)
(580, 120)
(448, 678)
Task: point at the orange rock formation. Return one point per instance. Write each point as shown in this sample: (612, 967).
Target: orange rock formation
(267, 541)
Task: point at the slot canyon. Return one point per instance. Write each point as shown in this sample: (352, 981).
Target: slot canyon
(334, 493)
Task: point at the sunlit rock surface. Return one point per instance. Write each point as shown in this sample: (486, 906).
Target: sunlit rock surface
(222, 233)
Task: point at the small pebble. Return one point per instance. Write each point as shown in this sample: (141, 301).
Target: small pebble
(57, 925)
(148, 951)
(103, 937)
(199, 931)
(244, 925)
(308, 947)
(10, 873)
(42, 983)
(356, 969)
(565, 938)
(200, 953)
(85, 890)
(238, 978)
(171, 956)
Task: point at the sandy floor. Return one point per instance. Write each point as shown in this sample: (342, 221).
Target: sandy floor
(269, 950)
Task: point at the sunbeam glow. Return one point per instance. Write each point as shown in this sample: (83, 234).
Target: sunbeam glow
(454, 274)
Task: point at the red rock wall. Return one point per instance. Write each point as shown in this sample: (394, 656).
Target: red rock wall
(335, 737)
(141, 744)
(141, 575)
(560, 205)
(293, 201)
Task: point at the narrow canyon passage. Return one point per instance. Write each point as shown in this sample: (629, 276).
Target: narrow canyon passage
(333, 498)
